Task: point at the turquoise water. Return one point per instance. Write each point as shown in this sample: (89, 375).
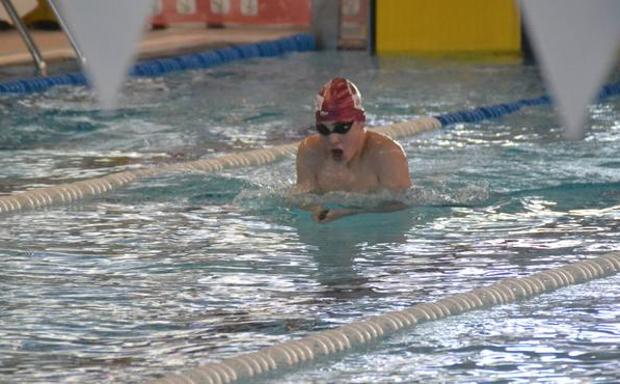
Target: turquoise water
(180, 270)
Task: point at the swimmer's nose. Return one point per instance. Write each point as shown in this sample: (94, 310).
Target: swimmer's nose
(334, 138)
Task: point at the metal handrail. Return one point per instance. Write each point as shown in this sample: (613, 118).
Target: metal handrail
(31, 45)
(67, 30)
(21, 28)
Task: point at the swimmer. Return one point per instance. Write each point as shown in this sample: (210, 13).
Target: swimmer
(345, 156)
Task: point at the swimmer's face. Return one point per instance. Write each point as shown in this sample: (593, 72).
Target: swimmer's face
(342, 138)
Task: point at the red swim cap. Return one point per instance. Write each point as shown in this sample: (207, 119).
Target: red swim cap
(339, 100)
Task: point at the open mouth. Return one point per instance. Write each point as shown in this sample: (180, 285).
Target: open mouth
(337, 154)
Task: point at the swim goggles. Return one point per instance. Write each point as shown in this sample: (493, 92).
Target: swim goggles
(339, 128)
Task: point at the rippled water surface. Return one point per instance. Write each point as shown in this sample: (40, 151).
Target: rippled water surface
(184, 269)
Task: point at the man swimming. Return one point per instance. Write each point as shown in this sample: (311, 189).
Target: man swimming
(345, 156)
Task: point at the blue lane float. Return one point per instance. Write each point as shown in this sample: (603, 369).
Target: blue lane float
(494, 111)
(297, 43)
(159, 67)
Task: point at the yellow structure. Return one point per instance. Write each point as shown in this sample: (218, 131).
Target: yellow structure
(448, 26)
(41, 17)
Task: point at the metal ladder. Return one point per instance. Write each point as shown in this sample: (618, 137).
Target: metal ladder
(41, 65)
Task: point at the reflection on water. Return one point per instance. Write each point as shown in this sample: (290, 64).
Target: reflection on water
(336, 246)
(532, 341)
(180, 270)
(134, 283)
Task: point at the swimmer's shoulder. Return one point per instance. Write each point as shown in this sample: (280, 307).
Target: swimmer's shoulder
(389, 161)
(381, 144)
(309, 147)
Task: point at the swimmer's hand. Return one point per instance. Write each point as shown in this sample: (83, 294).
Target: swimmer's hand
(323, 215)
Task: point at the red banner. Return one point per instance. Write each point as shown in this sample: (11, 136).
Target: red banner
(233, 12)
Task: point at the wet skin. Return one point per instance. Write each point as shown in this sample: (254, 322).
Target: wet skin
(356, 161)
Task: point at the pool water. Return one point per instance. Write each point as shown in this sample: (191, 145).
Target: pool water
(184, 269)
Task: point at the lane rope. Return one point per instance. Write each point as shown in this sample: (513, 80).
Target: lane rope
(158, 67)
(72, 192)
(75, 191)
(363, 332)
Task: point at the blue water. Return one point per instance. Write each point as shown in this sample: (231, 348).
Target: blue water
(179, 270)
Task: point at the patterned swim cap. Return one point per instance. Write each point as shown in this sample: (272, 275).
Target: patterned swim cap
(339, 100)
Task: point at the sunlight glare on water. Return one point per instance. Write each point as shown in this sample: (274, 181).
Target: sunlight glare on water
(183, 269)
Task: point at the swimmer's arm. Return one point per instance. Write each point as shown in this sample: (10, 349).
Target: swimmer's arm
(306, 177)
(327, 215)
(306, 168)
